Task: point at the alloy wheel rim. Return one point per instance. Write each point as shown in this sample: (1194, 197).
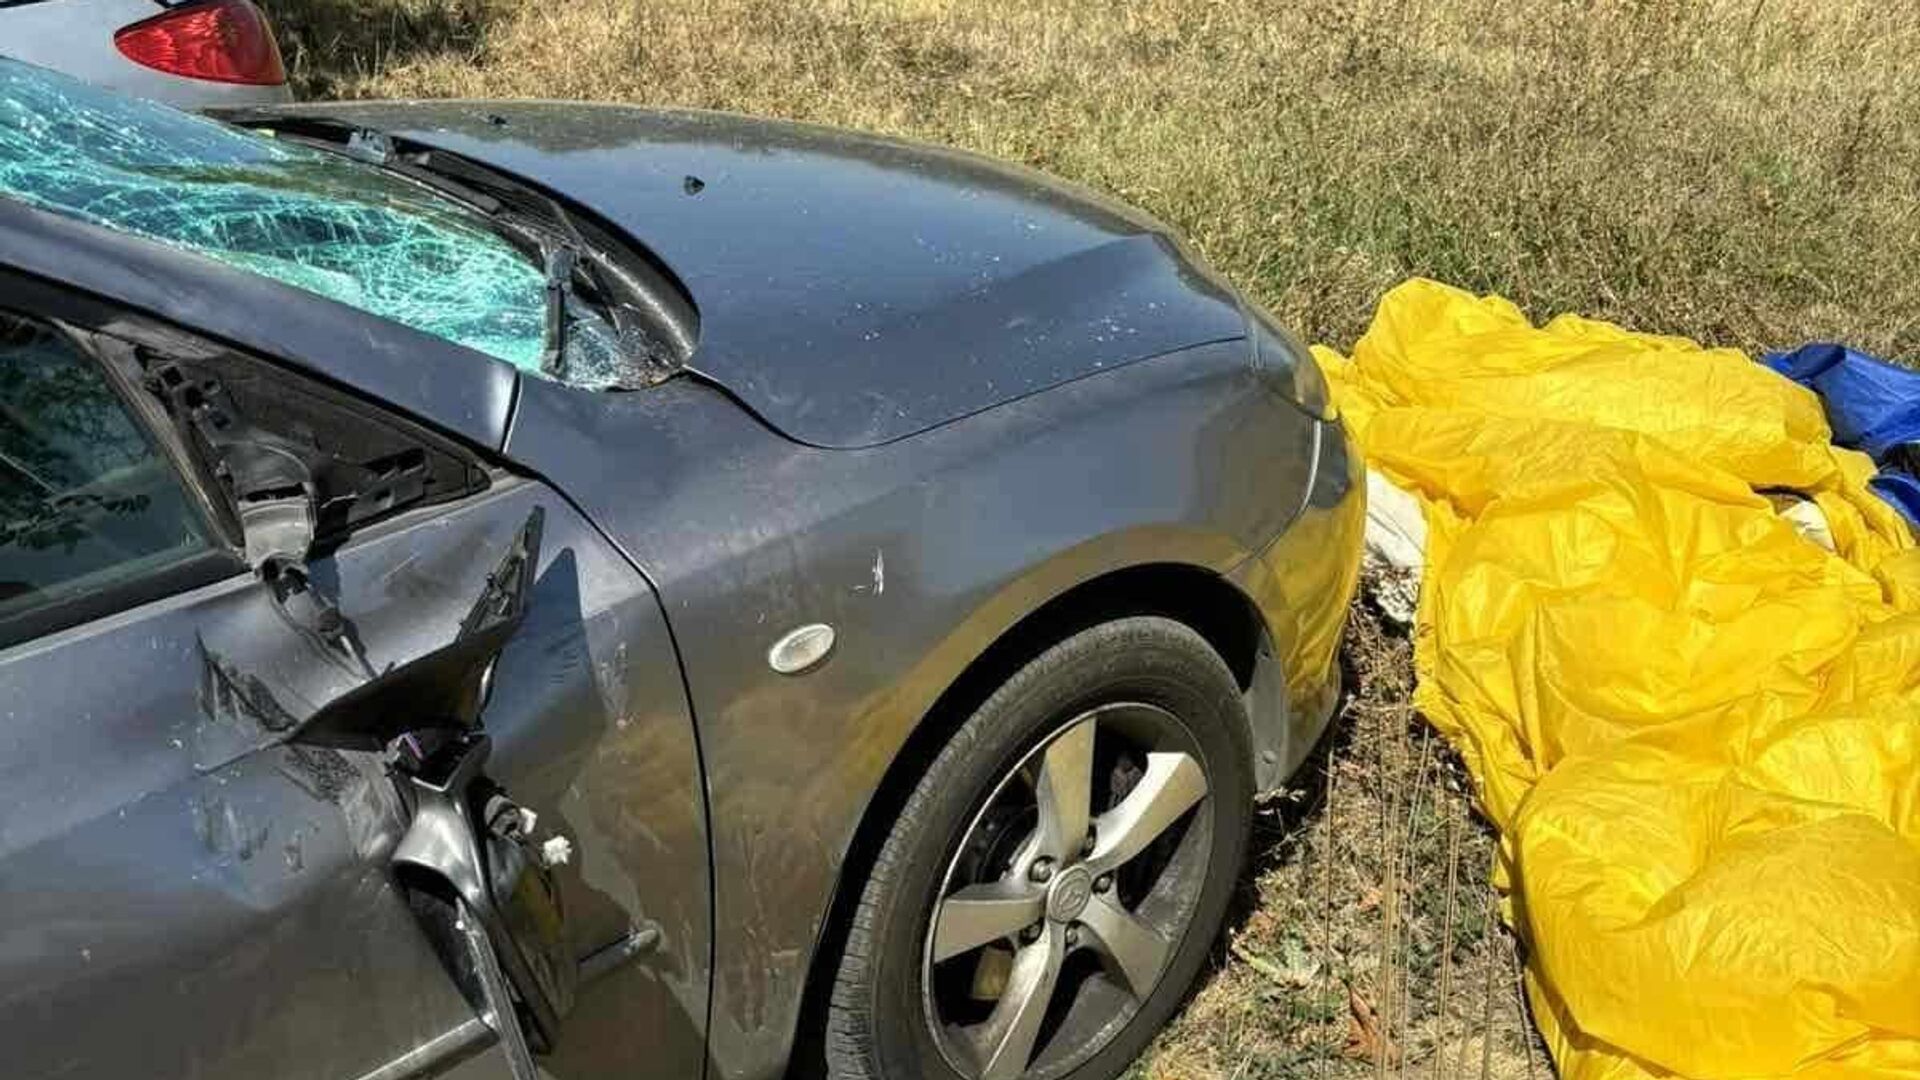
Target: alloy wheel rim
(1048, 934)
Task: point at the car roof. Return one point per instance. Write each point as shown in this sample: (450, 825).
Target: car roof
(463, 392)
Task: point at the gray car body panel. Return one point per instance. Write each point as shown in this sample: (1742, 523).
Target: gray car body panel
(76, 37)
(932, 531)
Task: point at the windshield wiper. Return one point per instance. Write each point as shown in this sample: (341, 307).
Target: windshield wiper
(533, 221)
(561, 262)
(563, 249)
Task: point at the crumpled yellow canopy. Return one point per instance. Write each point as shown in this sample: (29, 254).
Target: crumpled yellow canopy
(1697, 732)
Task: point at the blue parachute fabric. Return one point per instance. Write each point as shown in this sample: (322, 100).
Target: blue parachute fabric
(1900, 489)
(1872, 405)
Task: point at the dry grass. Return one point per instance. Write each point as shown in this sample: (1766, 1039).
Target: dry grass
(1737, 170)
(1740, 171)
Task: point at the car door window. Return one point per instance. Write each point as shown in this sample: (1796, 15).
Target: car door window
(88, 503)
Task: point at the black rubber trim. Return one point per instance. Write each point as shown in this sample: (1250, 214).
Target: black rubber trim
(191, 572)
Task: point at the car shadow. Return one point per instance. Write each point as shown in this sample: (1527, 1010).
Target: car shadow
(331, 47)
(1284, 822)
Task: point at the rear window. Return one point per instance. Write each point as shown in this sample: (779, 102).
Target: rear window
(314, 220)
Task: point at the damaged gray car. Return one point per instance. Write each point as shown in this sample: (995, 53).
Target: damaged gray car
(497, 590)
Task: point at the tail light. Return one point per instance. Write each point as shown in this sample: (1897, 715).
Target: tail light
(223, 41)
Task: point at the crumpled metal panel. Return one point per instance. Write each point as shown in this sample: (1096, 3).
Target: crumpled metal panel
(310, 219)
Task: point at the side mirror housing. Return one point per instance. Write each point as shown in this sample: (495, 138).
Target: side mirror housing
(274, 497)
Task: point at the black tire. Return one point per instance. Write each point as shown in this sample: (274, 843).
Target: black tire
(876, 1024)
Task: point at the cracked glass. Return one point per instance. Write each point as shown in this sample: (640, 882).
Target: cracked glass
(314, 220)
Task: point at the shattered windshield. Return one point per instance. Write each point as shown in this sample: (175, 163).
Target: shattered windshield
(314, 220)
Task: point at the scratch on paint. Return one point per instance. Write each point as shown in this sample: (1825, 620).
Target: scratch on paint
(879, 572)
(221, 829)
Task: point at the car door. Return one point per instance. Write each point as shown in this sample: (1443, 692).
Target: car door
(200, 804)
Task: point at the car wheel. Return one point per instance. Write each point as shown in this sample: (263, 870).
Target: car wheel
(1058, 874)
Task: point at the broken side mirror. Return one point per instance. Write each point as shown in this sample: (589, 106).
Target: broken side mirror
(268, 478)
(468, 835)
(275, 500)
(468, 856)
(468, 838)
(497, 914)
(271, 492)
(297, 466)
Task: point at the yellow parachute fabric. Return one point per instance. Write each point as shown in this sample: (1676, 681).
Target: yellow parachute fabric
(1697, 732)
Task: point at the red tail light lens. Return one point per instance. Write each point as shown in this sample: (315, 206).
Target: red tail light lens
(222, 41)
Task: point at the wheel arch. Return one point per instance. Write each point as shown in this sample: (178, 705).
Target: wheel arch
(1212, 606)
